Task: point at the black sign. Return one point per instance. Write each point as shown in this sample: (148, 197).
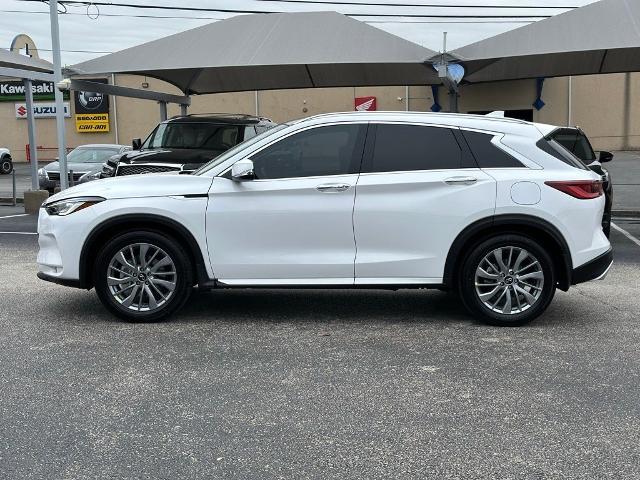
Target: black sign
(13, 91)
(91, 102)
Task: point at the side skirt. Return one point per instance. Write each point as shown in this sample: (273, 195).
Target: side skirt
(322, 283)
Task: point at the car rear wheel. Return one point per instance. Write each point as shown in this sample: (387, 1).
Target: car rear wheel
(143, 276)
(6, 165)
(507, 280)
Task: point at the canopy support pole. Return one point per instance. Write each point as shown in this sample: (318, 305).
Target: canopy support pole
(448, 81)
(183, 109)
(453, 100)
(31, 126)
(57, 77)
(163, 111)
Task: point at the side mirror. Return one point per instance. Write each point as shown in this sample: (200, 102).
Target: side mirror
(136, 144)
(605, 157)
(242, 170)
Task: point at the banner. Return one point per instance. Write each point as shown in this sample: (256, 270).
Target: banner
(12, 90)
(91, 110)
(41, 110)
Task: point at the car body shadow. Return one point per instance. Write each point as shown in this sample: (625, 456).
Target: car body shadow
(291, 305)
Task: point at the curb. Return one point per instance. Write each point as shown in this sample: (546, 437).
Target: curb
(9, 200)
(625, 213)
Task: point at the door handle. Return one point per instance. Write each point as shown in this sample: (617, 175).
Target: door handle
(333, 187)
(461, 180)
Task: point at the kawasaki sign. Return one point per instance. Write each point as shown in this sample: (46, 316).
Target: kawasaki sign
(11, 91)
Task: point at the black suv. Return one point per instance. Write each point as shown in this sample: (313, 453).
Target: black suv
(184, 143)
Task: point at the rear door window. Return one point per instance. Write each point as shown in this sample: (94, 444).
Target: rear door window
(401, 148)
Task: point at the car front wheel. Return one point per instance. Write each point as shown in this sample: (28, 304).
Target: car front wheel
(143, 276)
(507, 280)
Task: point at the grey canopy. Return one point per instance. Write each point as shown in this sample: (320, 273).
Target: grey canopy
(602, 37)
(274, 51)
(10, 59)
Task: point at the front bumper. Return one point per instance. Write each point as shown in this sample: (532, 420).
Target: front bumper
(46, 184)
(594, 269)
(67, 282)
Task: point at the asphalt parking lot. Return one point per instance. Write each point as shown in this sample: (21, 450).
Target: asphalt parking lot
(316, 384)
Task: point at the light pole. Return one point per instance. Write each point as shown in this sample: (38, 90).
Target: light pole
(57, 77)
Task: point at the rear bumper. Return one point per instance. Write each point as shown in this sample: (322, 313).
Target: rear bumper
(594, 269)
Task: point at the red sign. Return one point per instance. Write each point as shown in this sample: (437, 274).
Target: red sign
(365, 104)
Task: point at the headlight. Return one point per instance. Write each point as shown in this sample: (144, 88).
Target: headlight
(42, 173)
(70, 205)
(87, 177)
(107, 170)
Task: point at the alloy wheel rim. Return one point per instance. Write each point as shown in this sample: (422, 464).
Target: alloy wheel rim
(141, 277)
(509, 280)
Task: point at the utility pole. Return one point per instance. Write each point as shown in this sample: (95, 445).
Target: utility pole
(57, 77)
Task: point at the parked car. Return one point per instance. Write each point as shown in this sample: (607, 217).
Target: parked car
(85, 162)
(486, 207)
(6, 163)
(575, 141)
(185, 143)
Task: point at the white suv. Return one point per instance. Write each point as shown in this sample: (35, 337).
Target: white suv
(490, 208)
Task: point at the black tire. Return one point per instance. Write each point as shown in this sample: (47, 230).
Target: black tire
(169, 246)
(6, 165)
(512, 285)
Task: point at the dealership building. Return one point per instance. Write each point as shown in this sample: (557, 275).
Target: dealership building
(602, 105)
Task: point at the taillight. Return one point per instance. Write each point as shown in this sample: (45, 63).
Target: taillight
(582, 189)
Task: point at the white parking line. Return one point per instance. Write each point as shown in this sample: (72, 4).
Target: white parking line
(626, 234)
(18, 233)
(13, 216)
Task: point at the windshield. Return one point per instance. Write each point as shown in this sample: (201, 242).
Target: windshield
(231, 152)
(202, 136)
(91, 155)
(575, 142)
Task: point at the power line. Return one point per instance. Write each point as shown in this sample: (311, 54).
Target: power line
(68, 51)
(118, 15)
(422, 5)
(229, 10)
(461, 21)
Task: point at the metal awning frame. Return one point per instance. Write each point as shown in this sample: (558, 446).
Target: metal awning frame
(162, 98)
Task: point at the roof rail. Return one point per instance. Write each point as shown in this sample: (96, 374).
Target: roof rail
(225, 115)
(489, 117)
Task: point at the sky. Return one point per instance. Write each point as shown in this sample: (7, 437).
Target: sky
(88, 31)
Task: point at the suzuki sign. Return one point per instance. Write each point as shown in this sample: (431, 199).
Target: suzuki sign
(41, 110)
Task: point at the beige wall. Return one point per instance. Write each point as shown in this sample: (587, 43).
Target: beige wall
(603, 105)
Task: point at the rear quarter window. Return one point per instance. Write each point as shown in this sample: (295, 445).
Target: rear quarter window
(487, 155)
(562, 150)
(574, 141)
